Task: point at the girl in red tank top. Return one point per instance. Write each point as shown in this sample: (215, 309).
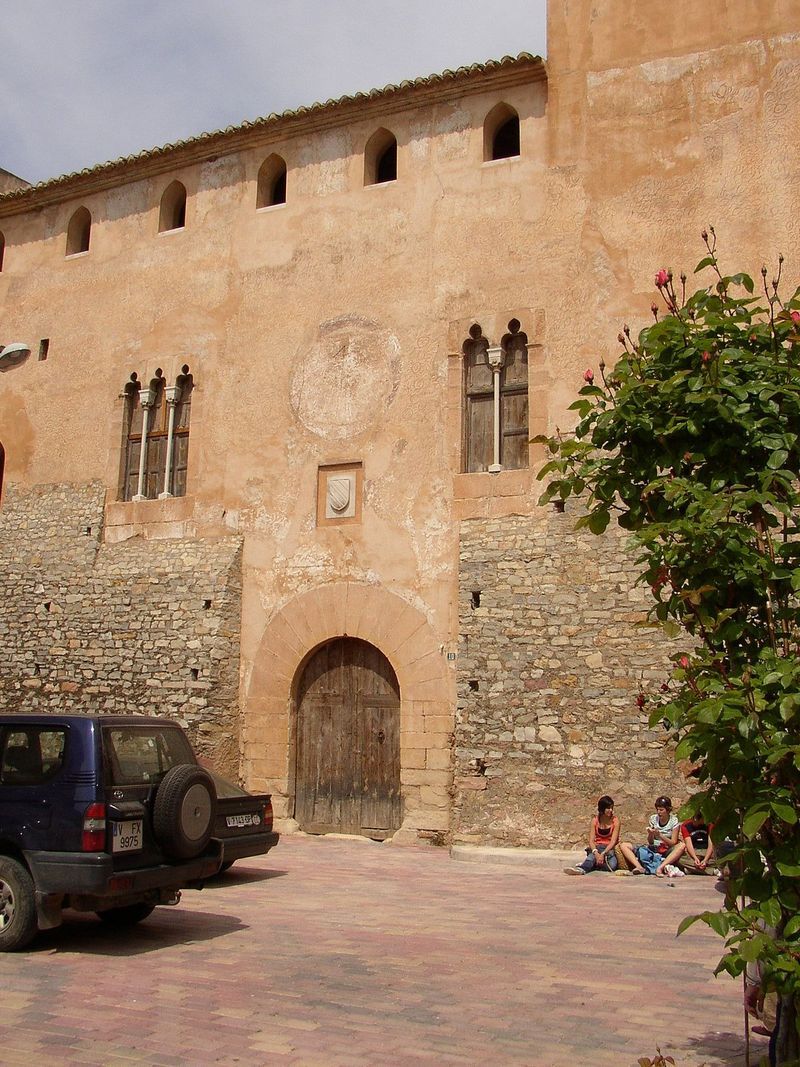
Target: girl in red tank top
(603, 837)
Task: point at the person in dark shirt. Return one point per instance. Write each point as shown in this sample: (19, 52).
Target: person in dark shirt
(694, 850)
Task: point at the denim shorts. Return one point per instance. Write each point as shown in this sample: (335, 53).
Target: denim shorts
(649, 858)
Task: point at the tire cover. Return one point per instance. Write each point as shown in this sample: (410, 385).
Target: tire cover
(183, 811)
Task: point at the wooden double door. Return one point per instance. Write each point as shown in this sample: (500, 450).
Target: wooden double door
(348, 742)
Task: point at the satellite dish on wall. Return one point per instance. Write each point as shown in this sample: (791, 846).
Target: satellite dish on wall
(13, 354)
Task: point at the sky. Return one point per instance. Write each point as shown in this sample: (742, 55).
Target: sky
(85, 81)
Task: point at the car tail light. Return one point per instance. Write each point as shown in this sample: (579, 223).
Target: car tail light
(268, 815)
(93, 838)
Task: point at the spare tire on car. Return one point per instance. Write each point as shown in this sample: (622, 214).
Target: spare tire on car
(183, 811)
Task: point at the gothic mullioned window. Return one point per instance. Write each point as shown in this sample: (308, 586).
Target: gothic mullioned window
(495, 401)
(156, 437)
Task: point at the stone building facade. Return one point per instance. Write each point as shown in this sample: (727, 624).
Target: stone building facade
(266, 398)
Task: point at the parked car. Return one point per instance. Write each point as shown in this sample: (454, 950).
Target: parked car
(111, 814)
(243, 821)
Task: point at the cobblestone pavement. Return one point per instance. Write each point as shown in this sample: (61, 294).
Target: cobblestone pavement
(340, 952)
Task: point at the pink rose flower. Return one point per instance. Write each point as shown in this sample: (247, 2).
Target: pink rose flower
(684, 662)
(588, 375)
(661, 278)
(795, 317)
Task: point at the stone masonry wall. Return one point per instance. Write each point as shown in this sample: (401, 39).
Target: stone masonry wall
(553, 650)
(145, 626)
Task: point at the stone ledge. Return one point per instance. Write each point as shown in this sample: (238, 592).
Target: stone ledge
(554, 859)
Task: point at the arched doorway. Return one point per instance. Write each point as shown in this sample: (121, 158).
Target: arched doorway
(348, 742)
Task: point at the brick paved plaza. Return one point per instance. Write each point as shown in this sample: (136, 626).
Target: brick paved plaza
(343, 952)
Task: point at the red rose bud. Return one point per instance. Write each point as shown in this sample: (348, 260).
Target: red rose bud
(640, 700)
(661, 278)
(795, 317)
(706, 357)
(684, 662)
(664, 687)
(654, 309)
(588, 375)
(704, 234)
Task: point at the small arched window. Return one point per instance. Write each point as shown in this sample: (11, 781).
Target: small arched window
(380, 158)
(501, 133)
(271, 182)
(2, 249)
(172, 215)
(79, 232)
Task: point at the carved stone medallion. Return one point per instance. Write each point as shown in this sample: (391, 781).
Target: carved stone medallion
(346, 379)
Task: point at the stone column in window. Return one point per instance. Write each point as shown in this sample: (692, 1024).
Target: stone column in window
(496, 357)
(173, 396)
(146, 398)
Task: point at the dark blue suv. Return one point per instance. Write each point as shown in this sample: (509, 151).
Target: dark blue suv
(111, 814)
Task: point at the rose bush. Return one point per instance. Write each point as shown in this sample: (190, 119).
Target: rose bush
(692, 443)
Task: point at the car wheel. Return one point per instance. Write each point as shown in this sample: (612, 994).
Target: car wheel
(183, 811)
(17, 905)
(130, 915)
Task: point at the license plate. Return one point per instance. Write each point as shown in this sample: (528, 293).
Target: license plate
(242, 820)
(126, 836)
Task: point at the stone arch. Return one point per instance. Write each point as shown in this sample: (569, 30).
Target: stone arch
(427, 695)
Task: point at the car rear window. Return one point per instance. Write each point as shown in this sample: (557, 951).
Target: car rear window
(31, 754)
(139, 755)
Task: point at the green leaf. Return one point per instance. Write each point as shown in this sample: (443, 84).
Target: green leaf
(771, 910)
(684, 924)
(599, 520)
(719, 921)
(792, 927)
(777, 459)
(708, 261)
(789, 870)
(754, 820)
(784, 811)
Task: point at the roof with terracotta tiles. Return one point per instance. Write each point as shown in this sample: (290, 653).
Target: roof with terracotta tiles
(230, 137)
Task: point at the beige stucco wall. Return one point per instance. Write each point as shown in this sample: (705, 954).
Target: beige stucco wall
(647, 130)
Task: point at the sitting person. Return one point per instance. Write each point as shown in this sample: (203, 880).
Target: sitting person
(603, 837)
(662, 836)
(694, 850)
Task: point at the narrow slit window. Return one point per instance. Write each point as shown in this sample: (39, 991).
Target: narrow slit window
(79, 232)
(501, 138)
(2, 249)
(380, 158)
(271, 189)
(172, 214)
